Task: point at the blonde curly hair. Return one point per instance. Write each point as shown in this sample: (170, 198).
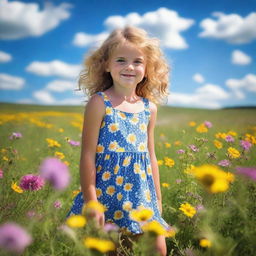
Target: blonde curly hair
(154, 86)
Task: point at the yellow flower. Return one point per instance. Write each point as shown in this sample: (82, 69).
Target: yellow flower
(154, 227)
(192, 123)
(142, 147)
(113, 146)
(119, 180)
(76, 221)
(136, 167)
(232, 133)
(93, 205)
(160, 162)
(127, 206)
(98, 192)
(190, 169)
(233, 153)
(60, 155)
(98, 244)
(149, 170)
(250, 138)
(213, 178)
(165, 185)
(188, 209)
(128, 186)
(122, 115)
(116, 169)
(106, 175)
(108, 111)
(113, 128)
(99, 168)
(143, 127)
(167, 145)
(201, 128)
(177, 143)
(52, 143)
(5, 158)
(169, 162)
(131, 138)
(217, 144)
(66, 163)
(61, 130)
(119, 196)
(205, 243)
(16, 188)
(127, 161)
(147, 195)
(220, 135)
(141, 214)
(107, 157)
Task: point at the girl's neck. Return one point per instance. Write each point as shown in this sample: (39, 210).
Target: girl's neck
(126, 95)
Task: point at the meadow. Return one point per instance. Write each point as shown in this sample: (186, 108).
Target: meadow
(207, 164)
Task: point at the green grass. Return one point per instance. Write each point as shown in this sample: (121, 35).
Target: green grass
(228, 220)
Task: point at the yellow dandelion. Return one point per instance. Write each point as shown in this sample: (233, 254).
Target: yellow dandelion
(250, 138)
(177, 143)
(101, 245)
(220, 135)
(188, 209)
(16, 188)
(141, 215)
(167, 145)
(76, 221)
(119, 196)
(201, 128)
(111, 190)
(213, 178)
(119, 180)
(131, 138)
(205, 243)
(106, 175)
(93, 205)
(217, 144)
(128, 186)
(118, 215)
(168, 162)
(192, 123)
(52, 143)
(99, 148)
(233, 153)
(154, 227)
(160, 162)
(165, 185)
(59, 155)
(232, 133)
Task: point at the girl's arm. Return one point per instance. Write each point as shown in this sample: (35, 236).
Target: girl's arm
(93, 116)
(151, 148)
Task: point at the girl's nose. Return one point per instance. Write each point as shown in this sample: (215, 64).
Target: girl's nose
(129, 66)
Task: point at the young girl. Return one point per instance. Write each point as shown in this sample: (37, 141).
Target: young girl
(118, 165)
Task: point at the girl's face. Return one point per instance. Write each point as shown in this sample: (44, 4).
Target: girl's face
(127, 66)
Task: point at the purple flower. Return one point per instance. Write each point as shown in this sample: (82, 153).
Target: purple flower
(31, 214)
(74, 143)
(200, 208)
(208, 124)
(15, 135)
(31, 182)
(14, 238)
(229, 138)
(193, 148)
(249, 172)
(1, 173)
(57, 204)
(56, 172)
(224, 162)
(178, 181)
(180, 151)
(108, 227)
(246, 145)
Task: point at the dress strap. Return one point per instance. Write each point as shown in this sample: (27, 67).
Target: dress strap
(146, 104)
(105, 98)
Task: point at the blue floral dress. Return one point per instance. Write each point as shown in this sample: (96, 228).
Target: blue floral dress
(124, 178)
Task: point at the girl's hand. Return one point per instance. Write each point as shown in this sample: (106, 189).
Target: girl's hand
(98, 217)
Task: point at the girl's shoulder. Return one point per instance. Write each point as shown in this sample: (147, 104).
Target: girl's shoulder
(152, 107)
(96, 104)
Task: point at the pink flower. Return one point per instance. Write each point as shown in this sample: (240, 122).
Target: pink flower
(56, 172)
(208, 124)
(74, 143)
(180, 151)
(249, 172)
(14, 238)
(224, 163)
(31, 182)
(178, 181)
(1, 173)
(57, 204)
(229, 138)
(193, 148)
(108, 227)
(15, 135)
(246, 145)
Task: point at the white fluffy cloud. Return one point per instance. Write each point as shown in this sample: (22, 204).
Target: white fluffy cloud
(240, 58)
(19, 20)
(54, 68)
(198, 78)
(44, 97)
(5, 57)
(231, 27)
(8, 82)
(61, 86)
(240, 86)
(163, 23)
(207, 96)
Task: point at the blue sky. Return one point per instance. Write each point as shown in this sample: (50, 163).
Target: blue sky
(210, 46)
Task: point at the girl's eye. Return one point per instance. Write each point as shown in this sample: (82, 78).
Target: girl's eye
(120, 60)
(138, 62)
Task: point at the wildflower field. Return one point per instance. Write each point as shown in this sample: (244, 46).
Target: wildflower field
(207, 164)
